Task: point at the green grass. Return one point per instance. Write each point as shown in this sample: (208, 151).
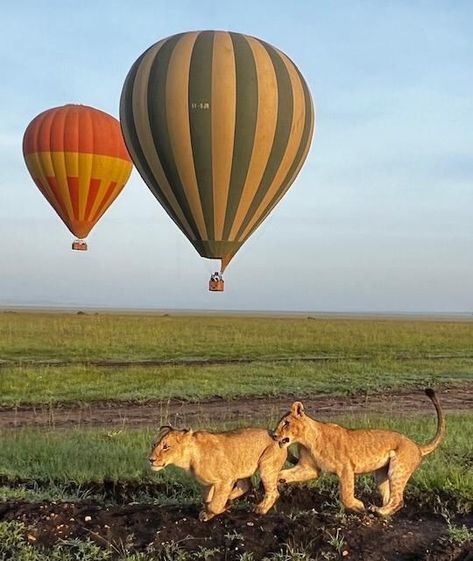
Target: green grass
(84, 456)
(14, 546)
(459, 535)
(77, 455)
(372, 355)
(79, 383)
(26, 336)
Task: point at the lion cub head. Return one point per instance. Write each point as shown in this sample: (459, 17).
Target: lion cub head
(169, 448)
(291, 427)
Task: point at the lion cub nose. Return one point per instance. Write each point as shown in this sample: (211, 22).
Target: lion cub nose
(274, 436)
(151, 460)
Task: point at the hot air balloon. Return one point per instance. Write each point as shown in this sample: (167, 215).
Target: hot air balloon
(78, 159)
(218, 124)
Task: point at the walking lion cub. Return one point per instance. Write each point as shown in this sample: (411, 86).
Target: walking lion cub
(222, 463)
(328, 447)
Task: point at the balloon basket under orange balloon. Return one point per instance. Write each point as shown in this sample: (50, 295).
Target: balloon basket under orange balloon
(79, 245)
(216, 284)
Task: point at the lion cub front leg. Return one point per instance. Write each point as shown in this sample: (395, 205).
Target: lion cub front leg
(298, 474)
(304, 470)
(271, 493)
(347, 490)
(218, 501)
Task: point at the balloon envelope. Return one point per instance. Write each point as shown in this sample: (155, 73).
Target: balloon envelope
(218, 124)
(78, 159)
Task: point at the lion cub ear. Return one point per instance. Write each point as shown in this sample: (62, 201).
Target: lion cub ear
(297, 409)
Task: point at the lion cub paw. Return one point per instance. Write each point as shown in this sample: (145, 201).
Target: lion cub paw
(356, 506)
(205, 516)
(374, 510)
(384, 511)
(267, 503)
(261, 509)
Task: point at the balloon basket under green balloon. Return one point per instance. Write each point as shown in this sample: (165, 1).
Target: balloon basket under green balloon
(216, 283)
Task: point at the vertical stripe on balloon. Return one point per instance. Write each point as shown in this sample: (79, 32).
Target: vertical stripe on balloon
(245, 124)
(266, 129)
(199, 105)
(177, 132)
(222, 113)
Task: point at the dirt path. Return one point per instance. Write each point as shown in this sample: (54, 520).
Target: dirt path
(215, 361)
(116, 414)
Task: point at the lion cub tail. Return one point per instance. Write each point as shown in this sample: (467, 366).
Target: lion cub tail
(432, 445)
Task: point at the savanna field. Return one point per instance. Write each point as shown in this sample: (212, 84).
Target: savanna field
(82, 396)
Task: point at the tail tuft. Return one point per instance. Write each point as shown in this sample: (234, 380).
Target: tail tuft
(429, 392)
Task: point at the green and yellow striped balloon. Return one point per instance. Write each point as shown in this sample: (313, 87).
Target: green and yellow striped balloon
(218, 124)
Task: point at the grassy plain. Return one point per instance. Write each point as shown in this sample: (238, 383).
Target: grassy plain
(281, 356)
(72, 337)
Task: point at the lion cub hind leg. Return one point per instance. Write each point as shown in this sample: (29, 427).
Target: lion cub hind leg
(400, 470)
(347, 491)
(218, 502)
(269, 467)
(381, 479)
(271, 493)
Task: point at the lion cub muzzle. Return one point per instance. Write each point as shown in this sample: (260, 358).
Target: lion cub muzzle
(281, 441)
(155, 466)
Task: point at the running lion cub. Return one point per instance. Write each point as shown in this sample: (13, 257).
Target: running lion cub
(222, 463)
(328, 447)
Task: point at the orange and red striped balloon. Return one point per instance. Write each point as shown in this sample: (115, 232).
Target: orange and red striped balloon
(78, 159)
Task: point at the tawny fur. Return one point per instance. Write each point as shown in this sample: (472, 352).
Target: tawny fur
(222, 463)
(390, 455)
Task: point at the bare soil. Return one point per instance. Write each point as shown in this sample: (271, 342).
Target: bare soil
(214, 361)
(305, 520)
(457, 397)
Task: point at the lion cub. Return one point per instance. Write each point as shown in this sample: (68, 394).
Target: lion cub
(222, 463)
(328, 447)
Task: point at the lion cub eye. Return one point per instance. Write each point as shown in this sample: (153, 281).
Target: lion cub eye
(286, 424)
(166, 447)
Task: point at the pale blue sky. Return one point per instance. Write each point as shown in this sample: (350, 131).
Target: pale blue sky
(380, 217)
